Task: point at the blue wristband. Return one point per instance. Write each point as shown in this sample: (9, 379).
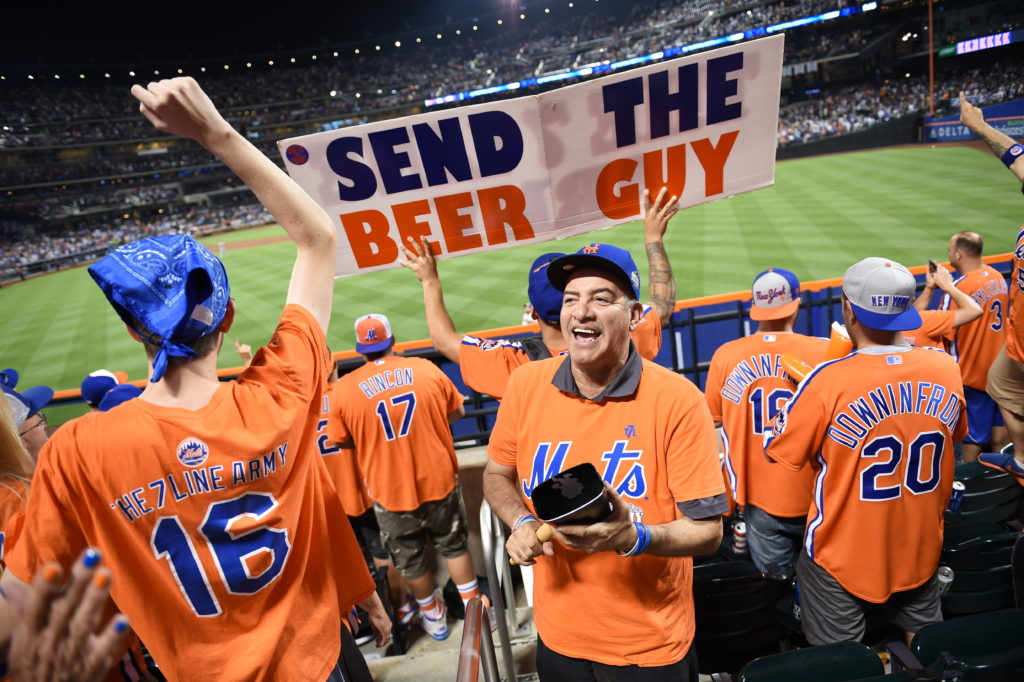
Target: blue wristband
(1012, 154)
(525, 518)
(643, 540)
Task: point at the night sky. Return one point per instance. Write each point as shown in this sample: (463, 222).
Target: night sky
(39, 34)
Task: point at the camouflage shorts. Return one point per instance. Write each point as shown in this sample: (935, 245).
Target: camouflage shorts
(407, 534)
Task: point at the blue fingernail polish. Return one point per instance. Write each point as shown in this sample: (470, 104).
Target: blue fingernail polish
(91, 558)
(120, 626)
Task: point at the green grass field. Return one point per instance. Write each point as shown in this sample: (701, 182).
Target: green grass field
(822, 215)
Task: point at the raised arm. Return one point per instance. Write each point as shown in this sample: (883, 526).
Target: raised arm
(925, 297)
(179, 106)
(972, 117)
(439, 322)
(967, 309)
(662, 283)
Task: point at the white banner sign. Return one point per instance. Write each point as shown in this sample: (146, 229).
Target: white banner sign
(548, 166)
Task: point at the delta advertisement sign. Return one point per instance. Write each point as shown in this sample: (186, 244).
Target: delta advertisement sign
(1007, 117)
(548, 166)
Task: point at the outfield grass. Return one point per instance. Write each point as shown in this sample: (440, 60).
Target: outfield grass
(822, 215)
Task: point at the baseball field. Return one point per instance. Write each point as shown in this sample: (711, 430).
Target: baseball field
(822, 214)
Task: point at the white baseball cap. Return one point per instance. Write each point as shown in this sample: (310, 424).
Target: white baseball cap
(881, 293)
(774, 295)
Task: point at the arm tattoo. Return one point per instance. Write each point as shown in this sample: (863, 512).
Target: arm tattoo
(997, 147)
(663, 285)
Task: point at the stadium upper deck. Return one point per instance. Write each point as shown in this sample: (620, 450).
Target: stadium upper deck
(74, 155)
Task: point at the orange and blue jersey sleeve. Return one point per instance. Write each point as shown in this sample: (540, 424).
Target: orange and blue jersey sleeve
(487, 363)
(694, 471)
(647, 335)
(799, 429)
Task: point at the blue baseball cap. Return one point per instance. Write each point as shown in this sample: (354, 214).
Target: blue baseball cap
(119, 394)
(881, 293)
(774, 295)
(545, 299)
(605, 257)
(172, 285)
(9, 377)
(96, 385)
(26, 403)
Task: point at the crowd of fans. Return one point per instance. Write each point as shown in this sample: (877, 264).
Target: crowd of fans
(20, 247)
(383, 79)
(862, 106)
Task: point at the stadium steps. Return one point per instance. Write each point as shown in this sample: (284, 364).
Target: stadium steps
(428, 660)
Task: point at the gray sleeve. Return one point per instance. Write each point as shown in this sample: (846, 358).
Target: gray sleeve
(705, 507)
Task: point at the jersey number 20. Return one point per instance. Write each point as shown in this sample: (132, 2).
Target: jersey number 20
(230, 550)
(929, 444)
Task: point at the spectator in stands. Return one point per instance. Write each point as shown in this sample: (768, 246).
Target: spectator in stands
(774, 500)
(28, 419)
(938, 326)
(253, 430)
(869, 541)
(395, 412)
(97, 383)
(1006, 377)
(661, 461)
(486, 364)
(976, 344)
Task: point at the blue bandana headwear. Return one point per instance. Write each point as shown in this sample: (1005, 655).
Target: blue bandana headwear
(173, 287)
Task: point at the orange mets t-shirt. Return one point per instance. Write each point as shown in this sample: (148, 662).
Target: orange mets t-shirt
(977, 343)
(655, 444)
(487, 363)
(878, 426)
(745, 388)
(215, 521)
(935, 330)
(342, 466)
(395, 411)
(1015, 320)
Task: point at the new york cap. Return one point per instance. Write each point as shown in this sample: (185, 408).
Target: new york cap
(605, 257)
(775, 295)
(373, 333)
(881, 293)
(545, 299)
(172, 285)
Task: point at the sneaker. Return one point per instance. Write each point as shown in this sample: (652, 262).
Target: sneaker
(407, 612)
(1004, 462)
(436, 628)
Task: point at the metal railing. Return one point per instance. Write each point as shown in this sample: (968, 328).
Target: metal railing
(476, 646)
(492, 540)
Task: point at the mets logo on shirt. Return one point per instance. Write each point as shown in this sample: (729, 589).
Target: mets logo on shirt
(192, 452)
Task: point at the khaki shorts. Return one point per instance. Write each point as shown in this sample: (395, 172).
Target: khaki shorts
(406, 535)
(1006, 383)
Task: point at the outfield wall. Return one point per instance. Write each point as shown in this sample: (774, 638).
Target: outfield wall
(698, 327)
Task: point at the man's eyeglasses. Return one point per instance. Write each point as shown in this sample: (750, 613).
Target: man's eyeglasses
(41, 422)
